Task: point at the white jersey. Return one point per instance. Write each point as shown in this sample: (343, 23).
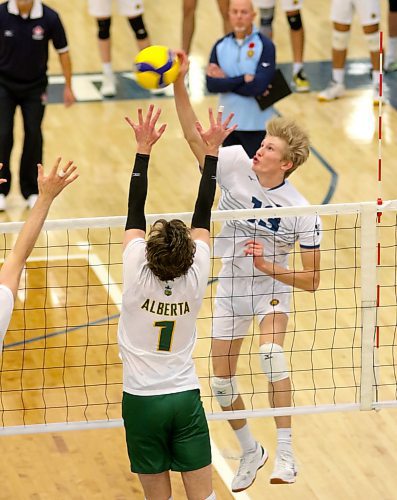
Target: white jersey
(157, 328)
(240, 189)
(6, 307)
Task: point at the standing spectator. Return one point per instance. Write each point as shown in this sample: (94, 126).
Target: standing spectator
(391, 52)
(342, 15)
(102, 11)
(292, 10)
(188, 22)
(26, 27)
(164, 282)
(241, 66)
(10, 273)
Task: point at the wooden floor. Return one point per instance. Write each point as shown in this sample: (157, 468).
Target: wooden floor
(341, 455)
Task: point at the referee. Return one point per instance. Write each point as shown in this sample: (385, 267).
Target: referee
(26, 27)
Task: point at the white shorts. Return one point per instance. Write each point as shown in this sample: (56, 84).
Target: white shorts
(238, 300)
(287, 5)
(342, 11)
(103, 8)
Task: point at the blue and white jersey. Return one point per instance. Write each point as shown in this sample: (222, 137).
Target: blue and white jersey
(240, 189)
(255, 55)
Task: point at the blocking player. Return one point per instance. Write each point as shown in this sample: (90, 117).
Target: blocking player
(165, 279)
(49, 187)
(255, 279)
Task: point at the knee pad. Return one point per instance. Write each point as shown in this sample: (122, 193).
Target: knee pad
(393, 5)
(266, 16)
(225, 390)
(273, 362)
(138, 27)
(295, 22)
(372, 41)
(103, 28)
(340, 39)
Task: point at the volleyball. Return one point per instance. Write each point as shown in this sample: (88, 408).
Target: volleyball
(156, 67)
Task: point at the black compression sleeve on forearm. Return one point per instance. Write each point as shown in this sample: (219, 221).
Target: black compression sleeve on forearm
(205, 198)
(137, 196)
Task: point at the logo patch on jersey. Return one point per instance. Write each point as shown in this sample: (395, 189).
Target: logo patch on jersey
(38, 33)
(274, 302)
(250, 53)
(168, 290)
(8, 34)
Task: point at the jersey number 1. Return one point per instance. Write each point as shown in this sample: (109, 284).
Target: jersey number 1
(165, 334)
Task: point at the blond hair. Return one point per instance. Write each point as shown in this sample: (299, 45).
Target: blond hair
(296, 139)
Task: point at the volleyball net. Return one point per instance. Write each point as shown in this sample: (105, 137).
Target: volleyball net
(60, 367)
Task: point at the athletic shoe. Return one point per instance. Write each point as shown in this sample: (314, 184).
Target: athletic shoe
(390, 66)
(31, 201)
(301, 82)
(332, 91)
(250, 463)
(108, 87)
(284, 469)
(376, 98)
(3, 203)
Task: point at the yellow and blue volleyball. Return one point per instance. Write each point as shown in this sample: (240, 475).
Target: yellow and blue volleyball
(156, 67)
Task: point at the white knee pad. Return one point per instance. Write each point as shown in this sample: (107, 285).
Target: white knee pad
(225, 390)
(372, 41)
(340, 39)
(273, 362)
(212, 496)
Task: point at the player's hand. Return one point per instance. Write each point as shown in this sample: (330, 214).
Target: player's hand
(256, 250)
(183, 65)
(145, 131)
(217, 132)
(68, 96)
(2, 180)
(214, 71)
(59, 177)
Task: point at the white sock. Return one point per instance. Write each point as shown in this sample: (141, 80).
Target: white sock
(297, 67)
(107, 69)
(375, 78)
(338, 75)
(246, 440)
(391, 52)
(284, 439)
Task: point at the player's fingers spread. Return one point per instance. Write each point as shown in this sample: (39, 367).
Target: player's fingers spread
(149, 113)
(140, 117)
(129, 121)
(155, 117)
(162, 129)
(228, 120)
(219, 116)
(69, 170)
(71, 179)
(211, 117)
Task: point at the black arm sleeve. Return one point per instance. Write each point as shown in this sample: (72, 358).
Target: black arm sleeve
(205, 198)
(137, 196)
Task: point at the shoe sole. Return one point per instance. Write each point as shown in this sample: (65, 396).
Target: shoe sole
(278, 480)
(302, 91)
(246, 487)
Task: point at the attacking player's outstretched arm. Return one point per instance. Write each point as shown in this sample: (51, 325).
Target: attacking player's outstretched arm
(146, 135)
(186, 114)
(49, 187)
(212, 140)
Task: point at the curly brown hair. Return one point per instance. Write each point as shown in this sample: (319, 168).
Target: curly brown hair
(169, 249)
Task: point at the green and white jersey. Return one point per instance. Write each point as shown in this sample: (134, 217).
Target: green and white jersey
(6, 307)
(240, 189)
(157, 328)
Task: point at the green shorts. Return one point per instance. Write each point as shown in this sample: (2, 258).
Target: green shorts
(166, 432)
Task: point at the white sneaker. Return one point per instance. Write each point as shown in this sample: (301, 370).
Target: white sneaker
(285, 470)
(332, 91)
(31, 201)
(390, 65)
(3, 203)
(250, 463)
(108, 87)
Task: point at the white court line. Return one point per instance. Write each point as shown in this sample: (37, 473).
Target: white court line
(218, 461)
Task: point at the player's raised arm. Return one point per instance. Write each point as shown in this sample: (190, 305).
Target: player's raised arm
(49, 187)
(146, 135)
(186, 115)
(212, 140)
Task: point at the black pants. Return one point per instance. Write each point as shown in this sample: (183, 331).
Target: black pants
(32, 107)
(250, 141)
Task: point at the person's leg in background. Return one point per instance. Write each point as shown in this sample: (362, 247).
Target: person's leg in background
(8, 104)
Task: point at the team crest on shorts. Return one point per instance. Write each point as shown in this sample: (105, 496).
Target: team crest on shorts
(38, 33)
(274, 302)
(167, 290)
